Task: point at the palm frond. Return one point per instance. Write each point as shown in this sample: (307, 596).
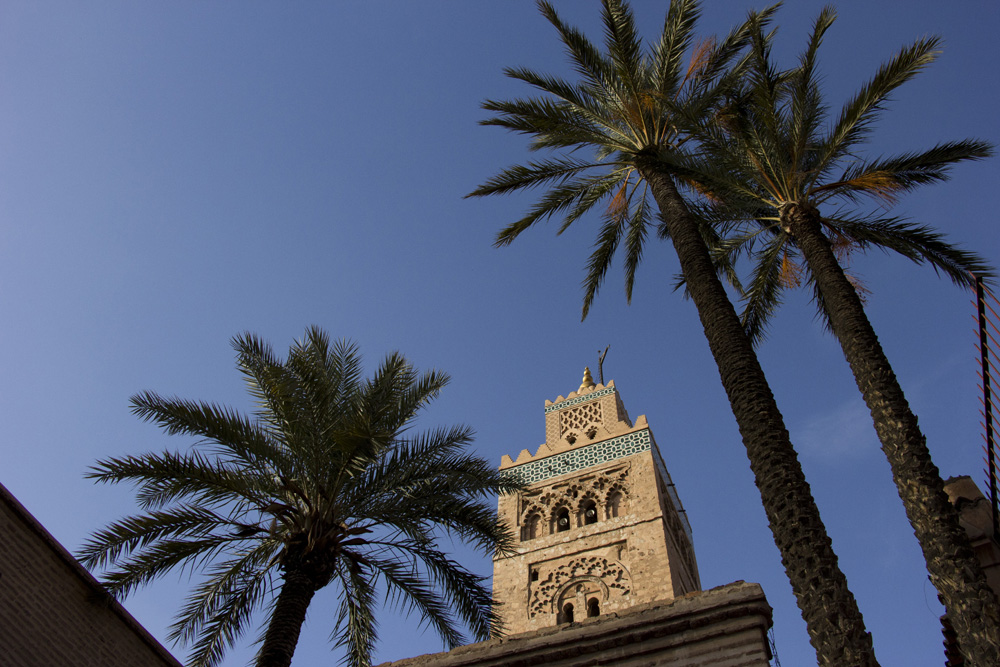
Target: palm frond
(464, 590)
(762, 297)
(168, 477)
(604, 249)
(586, 58)
(574, 198)
(807, 109)
(904, 172)
(918, 243)
(531, 175)
(356, 626)
(218, 612)
(724, 59)
(623, 45)
(857, 116)
(408, 590)
(140, 567)
(635, 238)
(137, 532)
(674, 42)
(214, 423)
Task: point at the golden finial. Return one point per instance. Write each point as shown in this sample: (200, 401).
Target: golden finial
(588, 381)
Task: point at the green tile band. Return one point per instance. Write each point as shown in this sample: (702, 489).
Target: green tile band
(584, 457)
(596, 454)
(569, 402)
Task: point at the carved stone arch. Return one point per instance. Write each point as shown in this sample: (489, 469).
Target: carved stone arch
(590, 494)
(533, 521)
(616, 501)
(613, 575)
(570, 590)
(560, 511)
(617, 487)
(609, 478)
(534, 508)
(588, 510)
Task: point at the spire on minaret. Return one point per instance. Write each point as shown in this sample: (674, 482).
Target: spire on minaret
(588, 381)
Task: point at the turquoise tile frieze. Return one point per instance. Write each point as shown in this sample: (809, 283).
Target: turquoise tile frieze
(584, 457)
(568, 402)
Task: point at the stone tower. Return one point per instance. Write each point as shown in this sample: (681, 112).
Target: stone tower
(601, 526)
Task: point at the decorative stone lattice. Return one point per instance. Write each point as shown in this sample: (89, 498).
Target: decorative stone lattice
(611, 573)
(581, 418)
(584, 457)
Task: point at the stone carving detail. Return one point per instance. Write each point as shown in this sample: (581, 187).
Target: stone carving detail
(581, 419)
(576, 496)
(611, 574)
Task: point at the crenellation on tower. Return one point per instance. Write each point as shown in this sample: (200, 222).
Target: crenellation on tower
(601, 527)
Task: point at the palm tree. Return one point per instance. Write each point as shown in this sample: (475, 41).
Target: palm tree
(324, 484)
(622, 111)
(774, 164)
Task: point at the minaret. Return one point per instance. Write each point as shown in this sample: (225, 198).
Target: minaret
(601, 527)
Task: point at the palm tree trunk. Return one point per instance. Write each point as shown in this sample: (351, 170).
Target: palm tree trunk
(289, 614)
(836, 627)
(954, 569)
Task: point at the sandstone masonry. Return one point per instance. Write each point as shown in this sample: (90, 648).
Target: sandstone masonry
(602, 528)
(722, 627)
(53, 612)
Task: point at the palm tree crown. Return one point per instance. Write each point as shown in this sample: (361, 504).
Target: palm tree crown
(777, 153)
(324, 483)
(771, 167)
(623, 109)
(624, 112)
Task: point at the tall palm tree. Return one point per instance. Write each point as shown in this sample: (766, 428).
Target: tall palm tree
(622, 112)
(774, 163)
(324, 484)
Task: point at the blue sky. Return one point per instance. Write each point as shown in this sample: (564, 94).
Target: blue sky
(172, 174)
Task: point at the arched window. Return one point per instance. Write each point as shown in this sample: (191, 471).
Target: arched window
(567, 613)
(530, 530)
(589, 512)
(593, 608)
(562, 520)
(614, 504)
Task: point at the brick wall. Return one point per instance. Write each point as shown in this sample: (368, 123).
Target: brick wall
(53, 612)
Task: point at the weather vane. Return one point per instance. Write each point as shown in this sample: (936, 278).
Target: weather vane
(600, 363)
